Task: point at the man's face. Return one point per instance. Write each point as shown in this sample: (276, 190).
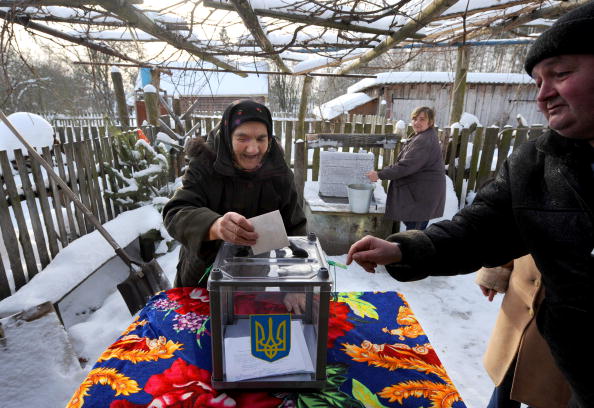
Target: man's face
(566, 94)
(250, 143)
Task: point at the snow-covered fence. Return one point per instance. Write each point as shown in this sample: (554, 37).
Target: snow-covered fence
(37, 219)
(75, 129)
(483, 150)
(474, 156)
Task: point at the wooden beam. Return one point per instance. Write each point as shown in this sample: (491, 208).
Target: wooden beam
(305, 92)
(118, 88)
(137, 19)
(421, 20)
(462, 30)
(494, 6)
(459, 88)
(303, 18)
(151, 105)
(58, 34)
(102, 21)
(526, 17)
(46, 3)
(250, 19)
(361, 76)
(301, 159)
(329, 63)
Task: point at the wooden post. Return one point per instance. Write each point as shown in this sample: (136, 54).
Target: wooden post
(305, 91)
(118, 88)
(156, 78)
(177, 110)
(151, 104)
(177, 158)
(459, 88)
(300, 165)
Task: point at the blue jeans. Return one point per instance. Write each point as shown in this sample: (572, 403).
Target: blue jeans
(416, 225)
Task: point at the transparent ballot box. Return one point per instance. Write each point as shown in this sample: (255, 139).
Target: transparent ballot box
(269, 316)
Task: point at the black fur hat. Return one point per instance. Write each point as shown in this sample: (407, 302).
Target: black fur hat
(572, 33)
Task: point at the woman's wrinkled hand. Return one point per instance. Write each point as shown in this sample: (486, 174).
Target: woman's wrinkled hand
(372, 176)
(295, 302)
(234, 228)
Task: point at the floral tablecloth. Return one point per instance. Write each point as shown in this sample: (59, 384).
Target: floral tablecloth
(378, 356)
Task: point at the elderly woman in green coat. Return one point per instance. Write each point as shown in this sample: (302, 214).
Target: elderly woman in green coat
(238, 173)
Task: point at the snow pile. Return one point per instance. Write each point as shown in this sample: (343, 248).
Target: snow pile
(149, 88)
(165, 138)
(319, 61)
(342, 104)
(37, 132)
(400, 128)
(79, 259)
(468, 119)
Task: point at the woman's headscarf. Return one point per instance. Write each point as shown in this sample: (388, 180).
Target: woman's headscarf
(237, 113)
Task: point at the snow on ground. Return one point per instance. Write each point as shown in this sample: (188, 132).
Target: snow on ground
(456, 318)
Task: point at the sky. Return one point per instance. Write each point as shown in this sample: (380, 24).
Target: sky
(452, 310)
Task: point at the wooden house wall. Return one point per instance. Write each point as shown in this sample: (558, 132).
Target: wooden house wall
(368, 108)
(493, 104)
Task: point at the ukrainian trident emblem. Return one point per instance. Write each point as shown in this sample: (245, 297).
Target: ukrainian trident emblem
(270, 336)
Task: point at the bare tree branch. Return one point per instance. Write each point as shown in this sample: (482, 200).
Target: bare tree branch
(244, 9)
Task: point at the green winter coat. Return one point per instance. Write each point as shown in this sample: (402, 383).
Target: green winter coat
(211, 187)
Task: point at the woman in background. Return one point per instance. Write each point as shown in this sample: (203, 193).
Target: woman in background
(416, 192)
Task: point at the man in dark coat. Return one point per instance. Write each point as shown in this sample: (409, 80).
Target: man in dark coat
(541, 203)
(239, 173)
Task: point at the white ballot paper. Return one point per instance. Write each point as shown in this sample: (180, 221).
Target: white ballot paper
(271, 232)
(240, 364)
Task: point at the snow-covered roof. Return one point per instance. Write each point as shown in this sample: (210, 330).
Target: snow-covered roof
(342, 104)
(385, 78)
(203, 83)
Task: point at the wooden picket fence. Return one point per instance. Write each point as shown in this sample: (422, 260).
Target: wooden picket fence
(54, 220)
(76, 129)
(483, 162)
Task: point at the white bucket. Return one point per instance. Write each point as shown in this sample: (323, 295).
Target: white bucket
(360, 197)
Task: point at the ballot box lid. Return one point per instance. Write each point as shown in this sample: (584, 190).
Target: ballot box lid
(301, 263)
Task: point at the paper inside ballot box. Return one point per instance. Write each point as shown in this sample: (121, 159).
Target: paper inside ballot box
(240, 364)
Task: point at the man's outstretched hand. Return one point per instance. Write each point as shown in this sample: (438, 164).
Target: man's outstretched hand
(370, 252)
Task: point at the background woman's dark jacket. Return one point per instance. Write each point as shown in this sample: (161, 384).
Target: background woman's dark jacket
(417, 187)
(211, 187)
